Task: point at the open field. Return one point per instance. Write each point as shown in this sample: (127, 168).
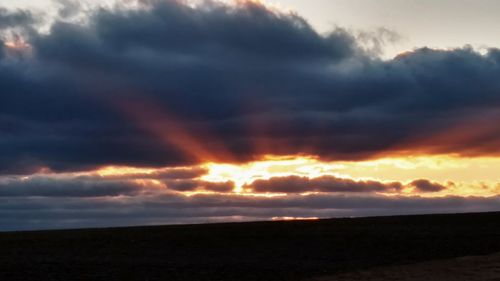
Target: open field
(457, 269)
(297, 250)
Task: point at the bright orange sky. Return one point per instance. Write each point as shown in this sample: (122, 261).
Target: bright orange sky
(470, 176)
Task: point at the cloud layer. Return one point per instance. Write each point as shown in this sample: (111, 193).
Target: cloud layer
(296, 184)
(49, 212)
(171, 196)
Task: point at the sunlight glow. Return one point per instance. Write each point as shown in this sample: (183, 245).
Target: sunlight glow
(122, 171)
(268, 168)
(461, 176)
(440, 168)
(294, 218)
(18, 45)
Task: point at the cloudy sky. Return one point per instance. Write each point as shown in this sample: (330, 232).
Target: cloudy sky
(158, 112)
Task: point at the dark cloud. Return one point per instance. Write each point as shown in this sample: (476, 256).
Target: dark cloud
(427, 186)
(296, 184)
(42, 213)
(46, 186)
(251, 31)
(199, 185)
(67, 185)
(227, 186)
(9, 19)
(170, 84)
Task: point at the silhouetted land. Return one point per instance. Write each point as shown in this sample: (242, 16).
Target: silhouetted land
(248, 251)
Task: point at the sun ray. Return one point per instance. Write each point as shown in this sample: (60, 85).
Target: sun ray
(202, 147)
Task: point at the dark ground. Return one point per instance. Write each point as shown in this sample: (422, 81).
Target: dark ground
(264, 251)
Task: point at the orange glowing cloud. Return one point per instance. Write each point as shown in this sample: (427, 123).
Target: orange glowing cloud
(17, 46)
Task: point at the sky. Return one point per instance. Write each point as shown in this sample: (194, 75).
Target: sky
(417, 23)
(168, 112)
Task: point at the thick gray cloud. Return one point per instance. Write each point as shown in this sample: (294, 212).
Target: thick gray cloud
(131, 86)
(427, 186)
(46, 186)
(80, 186)
(198, 185)
(297, 184)
(9, 19)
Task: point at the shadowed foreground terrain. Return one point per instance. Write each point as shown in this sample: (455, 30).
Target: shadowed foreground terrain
(484, 268)
(297, 250)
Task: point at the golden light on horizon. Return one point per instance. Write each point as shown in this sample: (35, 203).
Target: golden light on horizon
(461, 176)
(294, 218)
(435, 167)
(109, 171)
(269, 167)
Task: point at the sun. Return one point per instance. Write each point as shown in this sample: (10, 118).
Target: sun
(268, 167)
